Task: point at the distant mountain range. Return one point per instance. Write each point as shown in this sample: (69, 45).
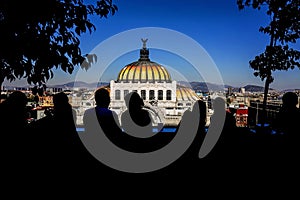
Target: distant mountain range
(205, 87)
(79, 84)
(197, 86)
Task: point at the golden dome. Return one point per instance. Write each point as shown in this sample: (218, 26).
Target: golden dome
(185, 94)
(144, 70)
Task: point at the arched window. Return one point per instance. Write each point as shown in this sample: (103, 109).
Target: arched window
(169, 94)
(126, 92)
(160, 95)
(151, 95)
(117, 95)
(143, 94)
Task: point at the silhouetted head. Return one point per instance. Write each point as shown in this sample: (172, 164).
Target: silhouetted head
(133, 101)
(60, 99)
(102, 98)
(17, 99)
(290, 99)
(61, 102)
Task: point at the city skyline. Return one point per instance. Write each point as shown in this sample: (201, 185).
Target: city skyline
(229, 36)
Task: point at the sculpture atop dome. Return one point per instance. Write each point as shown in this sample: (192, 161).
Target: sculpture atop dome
(143, 70)
(144, 52)
(144, 42)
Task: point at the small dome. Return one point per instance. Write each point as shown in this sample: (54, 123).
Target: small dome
(144, 70)
(185, 94)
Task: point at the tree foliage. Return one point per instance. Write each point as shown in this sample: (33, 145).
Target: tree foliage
(283, 29)
(37, 36)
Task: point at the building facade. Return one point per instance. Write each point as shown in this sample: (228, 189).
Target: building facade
(163, 97)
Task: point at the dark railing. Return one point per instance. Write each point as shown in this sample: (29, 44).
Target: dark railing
(255, 113)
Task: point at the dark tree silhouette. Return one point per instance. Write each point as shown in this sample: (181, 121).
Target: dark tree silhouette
(283, 29)
(37, 36)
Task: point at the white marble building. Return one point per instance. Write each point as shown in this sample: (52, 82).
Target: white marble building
(162, 96)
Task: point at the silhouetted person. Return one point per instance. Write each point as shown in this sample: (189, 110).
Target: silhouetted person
(289, 115)
(63, 112)
(14, 113)
(193, 121)
(58, 147)
(60, 118)
(107, 119)
(198, 112)
(138, 129)
(14, 137)
(13, 121)
(101, 120)
(287, 125)
(136, 120)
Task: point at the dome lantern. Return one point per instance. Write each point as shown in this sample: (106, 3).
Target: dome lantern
(144, 70)
(144, 52)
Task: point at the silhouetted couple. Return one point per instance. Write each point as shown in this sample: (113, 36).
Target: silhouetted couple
(57, 148)
(135, 134)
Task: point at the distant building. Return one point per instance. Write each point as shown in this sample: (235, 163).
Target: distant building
(54, 89)
(241, 116)
(240, 113)
(163, 97)
(230, 91)
(46, 101)
(242, 90)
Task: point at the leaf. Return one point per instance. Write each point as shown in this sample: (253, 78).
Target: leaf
(42, 35)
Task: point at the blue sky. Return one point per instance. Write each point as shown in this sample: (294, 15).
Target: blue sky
(229, 36)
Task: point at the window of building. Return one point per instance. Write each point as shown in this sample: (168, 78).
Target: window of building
(169, 94)
(126, 92)
(143, 94)
(151, 95)
(117, 95)
(160, 95)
